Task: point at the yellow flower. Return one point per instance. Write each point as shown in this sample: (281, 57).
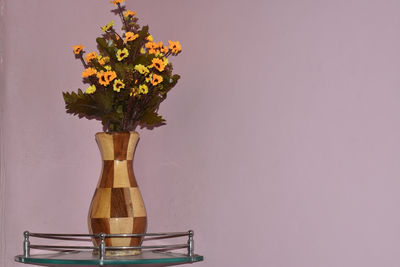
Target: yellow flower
(118, 85)
(130, 36)
(150, 38)
(142, 51)
(91, 56)
(134, 92)
(129, 13)
(121, 54)
(108, 26)
(156, 79)
(115, 2)
(88, 72)
(158, 64)
(105, 77)
(143, 89)
(107, 67)
(77, 49)
(175, 47)
(149, 78)
(165, 61)
(91, 89)
(141, 69)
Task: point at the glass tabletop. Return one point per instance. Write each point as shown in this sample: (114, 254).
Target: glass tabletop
(87, 258)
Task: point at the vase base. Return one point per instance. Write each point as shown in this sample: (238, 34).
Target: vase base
(120, 252)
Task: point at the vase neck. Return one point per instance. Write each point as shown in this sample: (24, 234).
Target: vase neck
(117, 146)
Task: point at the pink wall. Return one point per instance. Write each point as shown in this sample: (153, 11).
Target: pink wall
(2, 174)
(282, 144)
(51, 159)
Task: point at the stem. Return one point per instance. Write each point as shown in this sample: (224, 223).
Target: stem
(137, 52)
(82, 60)
(93, 81)
(114, 32)
(122, 17)
(146, 100)
(125, 123)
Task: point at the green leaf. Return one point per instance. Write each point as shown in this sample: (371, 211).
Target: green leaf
(120, 109)
(102, 43)
(120, 68)
(144, 32)
(103, 47)
(81, 105)
(104, 101)
(151, 119)
(143, 59)
(154, 103)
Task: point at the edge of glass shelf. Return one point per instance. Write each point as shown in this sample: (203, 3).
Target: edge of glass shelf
(87, 258)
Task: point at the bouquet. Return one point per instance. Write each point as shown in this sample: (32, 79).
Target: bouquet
(127, 78)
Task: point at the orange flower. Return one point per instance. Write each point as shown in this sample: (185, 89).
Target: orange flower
(105, 77)
(175, 47)
(151, 45)
(88, 72)
(156, 79)
(164, 49)
(158, 64)
(102, 61)
(155, 48)
(102, 78)
(77, 49)
(115, 2)
(129, 13)
(130, 36)
(111, 75)
(90, 56)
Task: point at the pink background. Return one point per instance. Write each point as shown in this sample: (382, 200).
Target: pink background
(282, 143)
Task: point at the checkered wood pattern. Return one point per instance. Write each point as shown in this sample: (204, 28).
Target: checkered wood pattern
(117, 205)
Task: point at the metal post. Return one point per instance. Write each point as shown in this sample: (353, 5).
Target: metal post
(102, 245)
(26, 244)
(191, 244)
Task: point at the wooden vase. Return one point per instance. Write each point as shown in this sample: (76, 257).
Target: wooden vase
(117, 206)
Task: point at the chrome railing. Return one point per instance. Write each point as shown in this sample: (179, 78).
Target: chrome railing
(102, 248)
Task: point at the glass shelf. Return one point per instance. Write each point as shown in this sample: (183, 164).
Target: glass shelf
(87, 258)
(75, 254)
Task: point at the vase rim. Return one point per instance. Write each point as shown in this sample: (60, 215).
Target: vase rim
(116, 133)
